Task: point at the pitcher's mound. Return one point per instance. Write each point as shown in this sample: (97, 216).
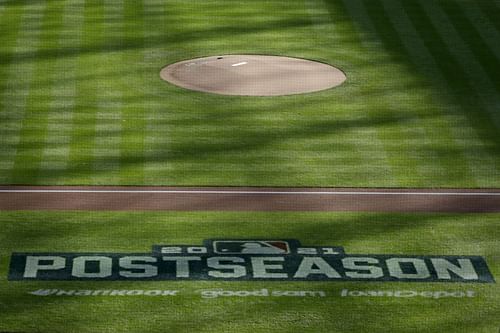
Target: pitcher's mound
(253, 75)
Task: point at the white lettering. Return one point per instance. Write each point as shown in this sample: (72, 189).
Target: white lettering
(374, 272)
(261, 267)
(236, 270)
(104, 265)
(465, 269)
(315, 265)
(34, 265)
(146, 270)
(395, 269)
(182, 265)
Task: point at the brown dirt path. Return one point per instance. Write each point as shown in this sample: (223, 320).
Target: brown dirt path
(123, 198)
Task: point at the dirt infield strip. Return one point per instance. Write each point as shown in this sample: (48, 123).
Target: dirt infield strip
(247, 199)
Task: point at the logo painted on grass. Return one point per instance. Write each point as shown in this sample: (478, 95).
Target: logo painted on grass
(248, 260)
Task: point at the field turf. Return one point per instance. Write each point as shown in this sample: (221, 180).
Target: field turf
(81, 101)
(406, 234)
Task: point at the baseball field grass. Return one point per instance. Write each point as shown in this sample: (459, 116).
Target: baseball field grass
(189, 311)
(81, 101)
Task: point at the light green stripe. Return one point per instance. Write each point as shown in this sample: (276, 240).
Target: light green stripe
(108, 133)
(157, 140)
(10, 25)
(60, 117)
(363, 141)
(81, 155)
(19, 80)
(34, 126)
(133, 79)
(406, 139)
(108, 127)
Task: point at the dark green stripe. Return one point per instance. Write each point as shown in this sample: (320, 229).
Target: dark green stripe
(453, 72)
(403, 162)
(491, 11)
(34, 125)
(451, 160)
(10, 21)
(81, 159)
(474, 40)
(134, 114)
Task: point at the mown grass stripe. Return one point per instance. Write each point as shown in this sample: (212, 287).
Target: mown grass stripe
(19, 80)
(63, 94)
(157, 140)
(330, 30)
(108, 130)
(473, 72)
(471, 37)
(428, 141)
(34, 126)
(360, 29)
(477, 160)
(449, 160)
(81, 155)
(10, 25)
(132, 79)
(490, 11)
(484, 28)
(457, 80)
(400, 144)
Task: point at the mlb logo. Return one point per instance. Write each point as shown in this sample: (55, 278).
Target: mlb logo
(251, 247)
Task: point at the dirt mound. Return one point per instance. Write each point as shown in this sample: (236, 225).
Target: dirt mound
(253, 75)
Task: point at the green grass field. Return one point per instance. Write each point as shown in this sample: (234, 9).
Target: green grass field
(81, 101)
(359, 233)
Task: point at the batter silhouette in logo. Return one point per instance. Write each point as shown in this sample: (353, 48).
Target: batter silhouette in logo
(251, 246)
(260, 248)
